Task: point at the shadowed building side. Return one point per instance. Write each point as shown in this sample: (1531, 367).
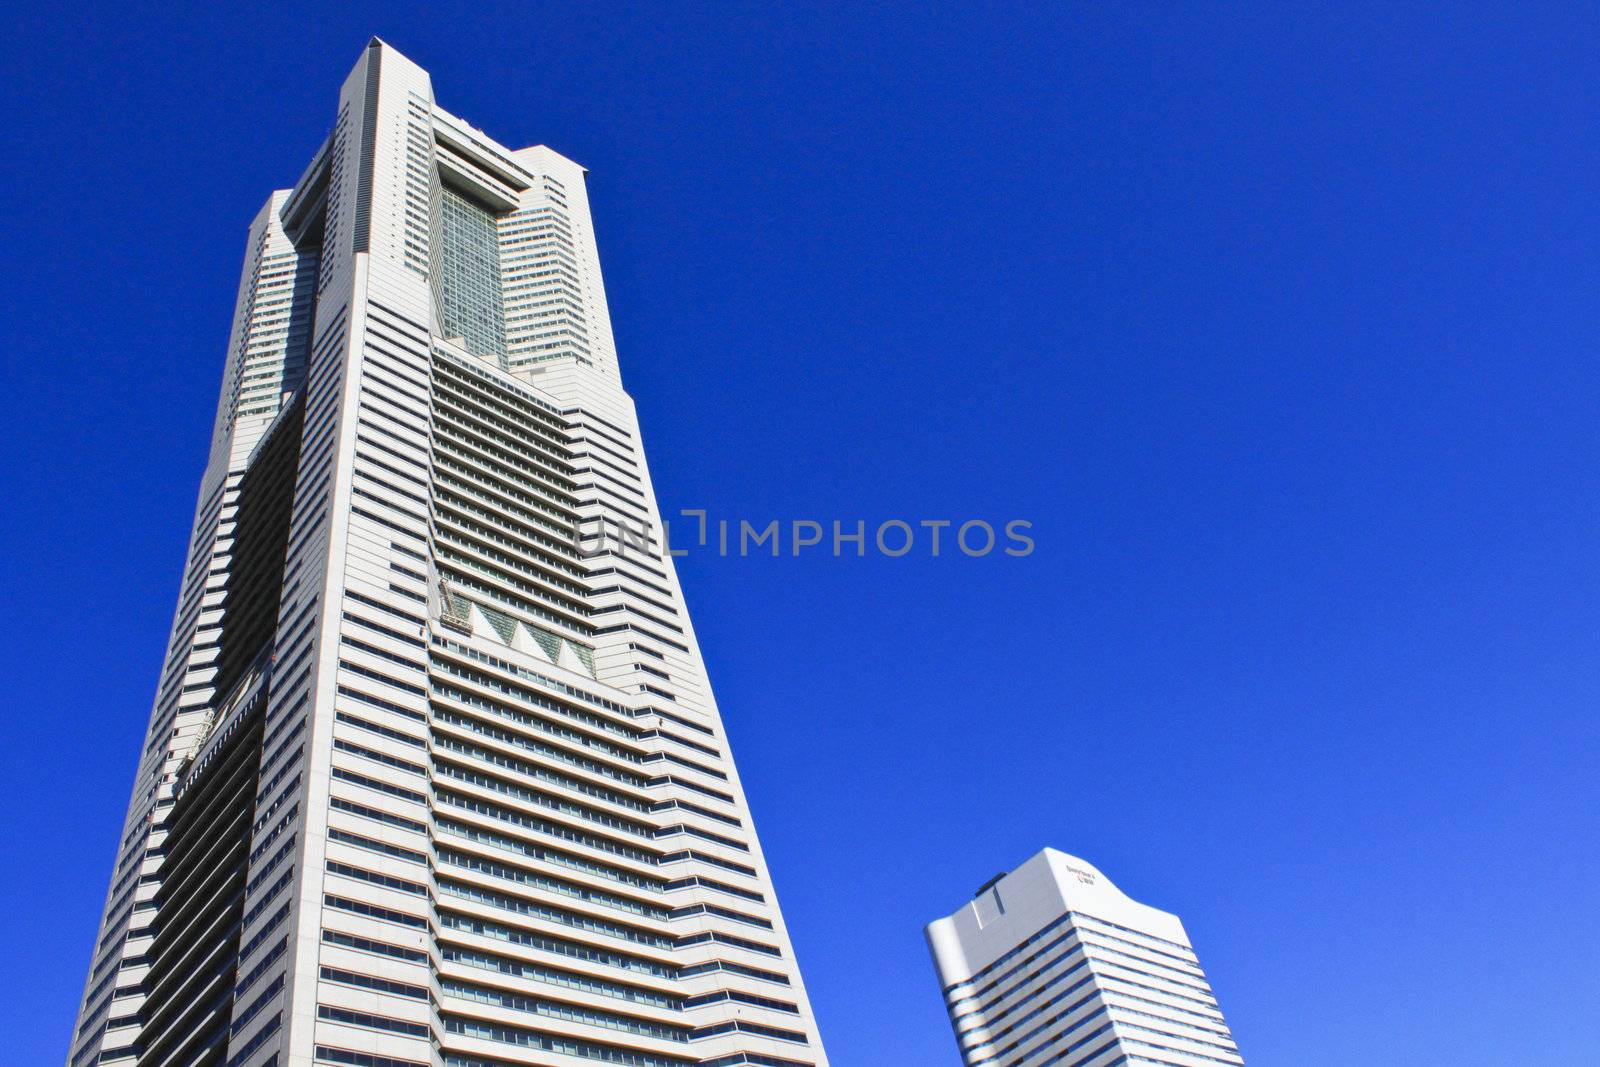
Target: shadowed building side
(434, 775)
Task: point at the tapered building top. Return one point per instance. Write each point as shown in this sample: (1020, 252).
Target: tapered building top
(1052, 963)
(434, 774)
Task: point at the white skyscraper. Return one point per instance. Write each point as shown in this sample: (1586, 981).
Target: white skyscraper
(1052, 964)
(434, 776)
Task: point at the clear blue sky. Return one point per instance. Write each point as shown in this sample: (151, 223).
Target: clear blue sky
(1278, 322)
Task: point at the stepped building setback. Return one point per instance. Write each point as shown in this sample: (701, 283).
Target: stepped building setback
(434, 775)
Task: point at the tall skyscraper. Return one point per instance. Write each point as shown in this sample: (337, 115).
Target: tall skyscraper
(434, 774)
(1052, 964)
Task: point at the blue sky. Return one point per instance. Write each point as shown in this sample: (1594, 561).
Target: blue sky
(1278, 322)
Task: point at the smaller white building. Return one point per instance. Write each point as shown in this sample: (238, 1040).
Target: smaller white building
(1053, 964)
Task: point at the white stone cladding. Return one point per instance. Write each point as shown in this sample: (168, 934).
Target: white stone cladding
(489, 816)
(1053, 964)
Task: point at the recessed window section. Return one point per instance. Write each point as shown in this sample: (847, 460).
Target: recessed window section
(468, 285)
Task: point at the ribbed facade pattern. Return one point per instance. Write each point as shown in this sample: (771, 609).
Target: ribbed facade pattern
(1053, 965)
(434, 775)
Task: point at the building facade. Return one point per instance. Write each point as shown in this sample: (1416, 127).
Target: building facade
(434, 776)
(1052, 964)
